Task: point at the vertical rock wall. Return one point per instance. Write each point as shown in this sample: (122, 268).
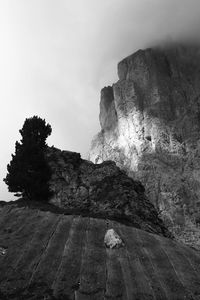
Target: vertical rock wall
(150, 122)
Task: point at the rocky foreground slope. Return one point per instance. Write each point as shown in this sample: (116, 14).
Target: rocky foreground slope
(150, 126)
(55, 256)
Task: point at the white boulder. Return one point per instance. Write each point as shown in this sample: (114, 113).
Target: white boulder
(112, 239)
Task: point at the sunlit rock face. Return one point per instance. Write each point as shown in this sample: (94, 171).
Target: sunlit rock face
(151, 127)
(100, 190)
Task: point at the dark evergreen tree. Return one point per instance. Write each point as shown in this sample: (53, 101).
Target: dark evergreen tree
(28, 172)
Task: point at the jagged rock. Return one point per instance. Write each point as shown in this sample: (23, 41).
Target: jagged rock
(151, 127)
(56, 256)
(112, 239)
(102, 190)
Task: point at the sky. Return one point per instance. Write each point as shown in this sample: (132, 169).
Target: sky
(56, 55)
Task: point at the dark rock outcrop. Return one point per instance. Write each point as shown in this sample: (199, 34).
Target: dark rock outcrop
(151, 127)
(54, 256)
(101, 190)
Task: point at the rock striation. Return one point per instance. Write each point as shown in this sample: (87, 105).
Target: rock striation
(150, 126)
(56, 256)
(100, 190)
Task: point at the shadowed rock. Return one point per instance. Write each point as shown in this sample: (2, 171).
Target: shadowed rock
(54, 256)
(101, 190)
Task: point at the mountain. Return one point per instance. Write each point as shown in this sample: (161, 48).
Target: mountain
(50, 255)
(150, 126)
(145, 167)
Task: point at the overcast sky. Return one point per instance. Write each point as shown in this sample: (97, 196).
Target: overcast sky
(56, 55)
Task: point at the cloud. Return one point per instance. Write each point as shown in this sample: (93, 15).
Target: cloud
(55, 56)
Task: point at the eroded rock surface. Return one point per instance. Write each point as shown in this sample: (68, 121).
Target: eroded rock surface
(55, 256)
(101, 190)
(151, 127)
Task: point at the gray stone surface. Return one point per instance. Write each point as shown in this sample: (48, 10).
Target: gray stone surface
(100, 190)
(58, 257)
(156, 136)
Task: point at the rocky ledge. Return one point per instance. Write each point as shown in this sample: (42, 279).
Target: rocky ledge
(100, 190)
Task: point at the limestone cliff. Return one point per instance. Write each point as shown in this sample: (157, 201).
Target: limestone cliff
(150, 126)
(100, 190)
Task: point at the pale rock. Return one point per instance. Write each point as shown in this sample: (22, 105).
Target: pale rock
(153, 132)
(3, 251)
(112, 239)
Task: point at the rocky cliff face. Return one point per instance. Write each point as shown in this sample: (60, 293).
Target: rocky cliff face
(100, 190)
(150, 126)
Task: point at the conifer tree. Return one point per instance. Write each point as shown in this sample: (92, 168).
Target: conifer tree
(28, 172)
